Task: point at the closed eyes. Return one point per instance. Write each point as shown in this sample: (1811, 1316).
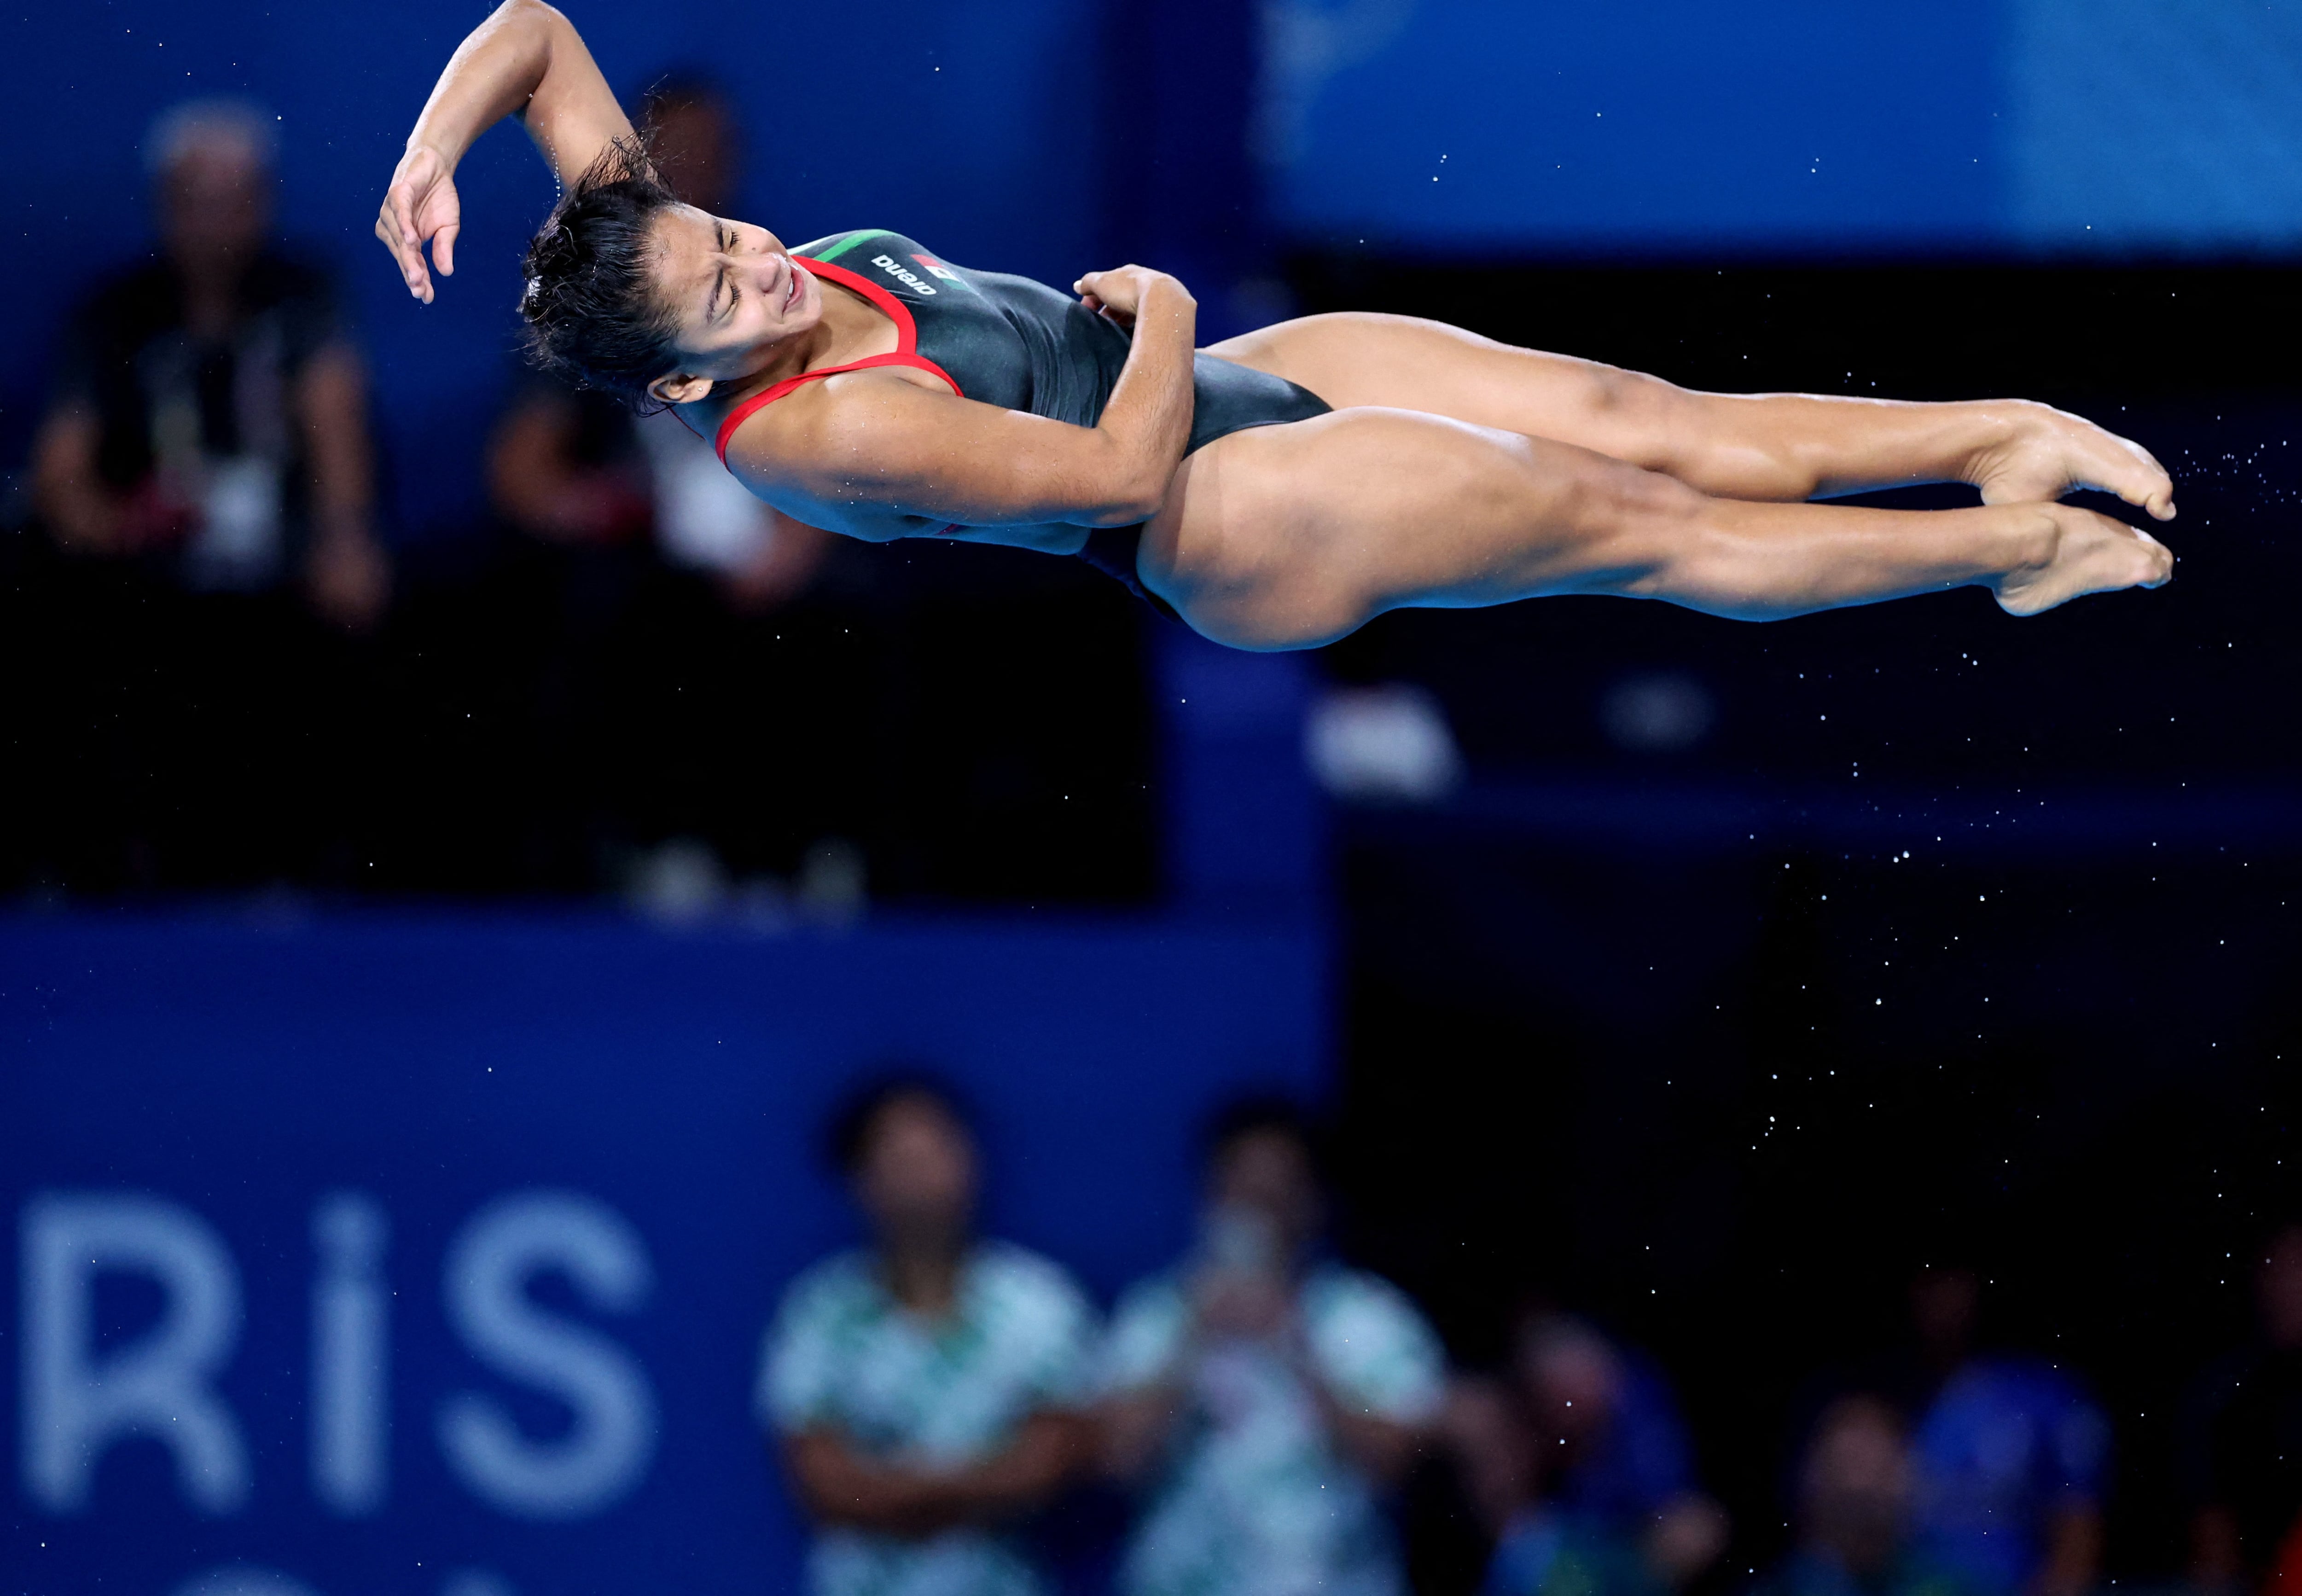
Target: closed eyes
(726, 242)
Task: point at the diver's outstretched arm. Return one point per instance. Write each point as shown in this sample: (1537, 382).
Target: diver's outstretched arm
(526, 60)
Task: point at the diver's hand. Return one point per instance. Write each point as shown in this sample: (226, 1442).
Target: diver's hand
(1120, 293)
(421, 208)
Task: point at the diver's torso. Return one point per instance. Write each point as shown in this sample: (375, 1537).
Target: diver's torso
(1005, 340)
(1009, 341)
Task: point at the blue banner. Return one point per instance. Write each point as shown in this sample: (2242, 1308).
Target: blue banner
(416, 1255)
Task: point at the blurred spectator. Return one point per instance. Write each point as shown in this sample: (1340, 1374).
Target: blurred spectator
(1535, 1548)
(1854, 1504)
(1267, 1395)
(1614, 1463)
(925, 1391)
(204, 477)
(1544, 1552)
(2242, 1441)
(578, 468)
(211, 412)
(2010, 1459)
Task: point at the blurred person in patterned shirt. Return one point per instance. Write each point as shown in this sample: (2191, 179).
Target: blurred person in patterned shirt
(1264, 1395)
(926, 1392)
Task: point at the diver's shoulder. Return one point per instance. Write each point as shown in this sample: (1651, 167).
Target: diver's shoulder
(810, 438)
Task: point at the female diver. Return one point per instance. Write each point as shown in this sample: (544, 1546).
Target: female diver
(1276, 490)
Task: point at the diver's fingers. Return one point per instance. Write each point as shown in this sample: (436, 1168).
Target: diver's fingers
(387, 232)
(419, 274)
(410, 247)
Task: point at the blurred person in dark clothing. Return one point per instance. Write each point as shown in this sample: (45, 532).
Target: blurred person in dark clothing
(1855, 1487)
(1266, 1397)
(2242, 1439)
(2011, 1458)
(1615, 1462)
(211, 412)
(928, 1391)
(205, 476)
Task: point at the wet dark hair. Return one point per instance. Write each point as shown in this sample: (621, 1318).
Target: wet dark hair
(593, 316)
(855, 1125)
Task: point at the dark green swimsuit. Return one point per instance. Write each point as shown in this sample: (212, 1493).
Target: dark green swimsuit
(1015, 343)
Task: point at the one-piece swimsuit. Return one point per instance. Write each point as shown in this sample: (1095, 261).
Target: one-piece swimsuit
(1009, 342)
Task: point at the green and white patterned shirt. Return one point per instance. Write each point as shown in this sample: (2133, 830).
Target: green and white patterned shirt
(843, 1355)
(1255, 1501)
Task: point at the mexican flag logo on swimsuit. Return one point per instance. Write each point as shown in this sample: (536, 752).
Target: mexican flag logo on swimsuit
(896, 264)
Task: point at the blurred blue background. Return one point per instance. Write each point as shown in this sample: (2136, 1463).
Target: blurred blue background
(1969, 128)
(1700, 978)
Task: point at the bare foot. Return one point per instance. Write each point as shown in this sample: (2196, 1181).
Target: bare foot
(2084, 553)
(2044, 453)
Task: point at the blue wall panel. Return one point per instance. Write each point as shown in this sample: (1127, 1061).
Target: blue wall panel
(1677, 128)
(275, 1090)
(2170, 127)
(1667, 124)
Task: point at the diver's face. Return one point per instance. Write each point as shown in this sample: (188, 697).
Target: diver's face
(735, 292)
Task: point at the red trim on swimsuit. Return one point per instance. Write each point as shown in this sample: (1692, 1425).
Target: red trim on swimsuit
(907, 346)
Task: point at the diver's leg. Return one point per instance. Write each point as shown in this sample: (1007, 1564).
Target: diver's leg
(1291, 536)
(1740, 446)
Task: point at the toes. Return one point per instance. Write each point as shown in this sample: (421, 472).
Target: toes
(2162, 562)
(2154, 492)
(2160, 501)
(2154, 500)
(2157, 560)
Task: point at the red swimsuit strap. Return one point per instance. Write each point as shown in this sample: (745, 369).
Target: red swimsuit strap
(907, 344)
(750, 406)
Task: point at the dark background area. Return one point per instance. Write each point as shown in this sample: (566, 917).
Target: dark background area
(522, 725)
(1949, 938)
(1938, 935)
